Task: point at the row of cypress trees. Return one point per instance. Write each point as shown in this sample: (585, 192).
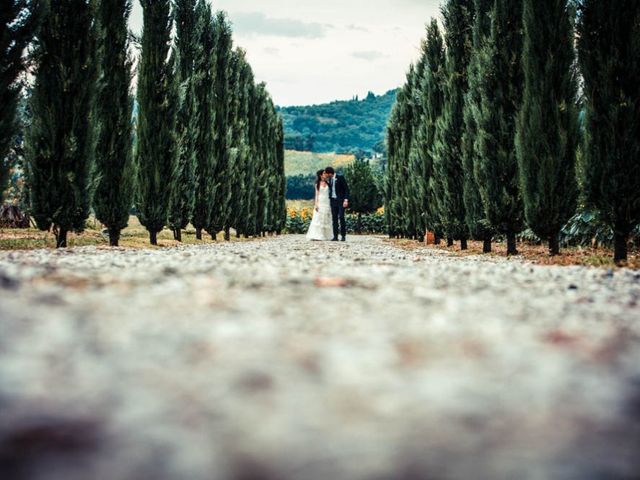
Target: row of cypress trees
(485, 135)
(207, 144)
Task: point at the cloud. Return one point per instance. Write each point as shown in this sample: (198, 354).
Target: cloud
(369, 55)
(257, 23)
(357, 28)
(271, 51)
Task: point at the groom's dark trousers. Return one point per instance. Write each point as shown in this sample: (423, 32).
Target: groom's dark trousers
(337, 213)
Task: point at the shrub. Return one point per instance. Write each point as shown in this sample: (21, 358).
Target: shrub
(299, 219)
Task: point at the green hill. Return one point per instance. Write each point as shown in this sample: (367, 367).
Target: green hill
(301, 168)
(308, 163)
(340, 126)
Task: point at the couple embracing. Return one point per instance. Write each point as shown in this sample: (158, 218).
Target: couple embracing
(332, 198)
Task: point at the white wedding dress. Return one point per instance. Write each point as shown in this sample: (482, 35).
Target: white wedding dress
(321, 227)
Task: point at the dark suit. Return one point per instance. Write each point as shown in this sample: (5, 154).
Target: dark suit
(337, 205)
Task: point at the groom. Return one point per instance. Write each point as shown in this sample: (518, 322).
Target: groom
(339, 195)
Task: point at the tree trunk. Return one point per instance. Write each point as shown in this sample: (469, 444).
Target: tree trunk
(437, 240)
(198, 234)
(114, 237)
(177, 235)
(449, 242)
(486, 244)
(227, 234)
(214, 237)
(463, 244)
(554, 245)
(238, 234)
(61, 238)
(511, 244)
(620, 248)
(153, 237)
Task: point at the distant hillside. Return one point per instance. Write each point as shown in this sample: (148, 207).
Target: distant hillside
(301, 168)
(341, 126)
(307, 163)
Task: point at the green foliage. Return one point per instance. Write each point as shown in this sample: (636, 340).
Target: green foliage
(447, 149)
(114, 173)
(432, 103)
(300, 187)
(156, 149)
(279, 195)
(369, 224)
(201, 127)
(238, 134)
(18, 21)
(547, 134)
(498, 82)
(223, 43)
(341, 126)
(609, 47)
(182, 196)
(61, 140)
(587, 228)
(475, 216)
(17, 192)
(364, 196)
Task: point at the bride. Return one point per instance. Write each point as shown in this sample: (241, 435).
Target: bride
(321, 227)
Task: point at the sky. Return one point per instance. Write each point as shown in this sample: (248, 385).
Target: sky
(317, 51)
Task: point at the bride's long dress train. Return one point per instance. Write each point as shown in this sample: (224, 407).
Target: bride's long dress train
(321, 227)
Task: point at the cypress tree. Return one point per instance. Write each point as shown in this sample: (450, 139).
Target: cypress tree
(182, 197)
(272, 169)
(18, 21)
(252, 184)
(500, 81)
(155, 156)
(237, 139)
(399, 140)
(248, 222)
(391, 189)
(261, 171)
(270, 177)
(609, 47)
(203, 133)
(547, 125)
(239, 151)
(448, 172)
(417, 180)
(474, 209)
(433, 100)
(114, 156)
(407, 193)
(61, 140)
(221, 197)
(281, 179)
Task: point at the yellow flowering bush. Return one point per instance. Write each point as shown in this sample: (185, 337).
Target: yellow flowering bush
(299, 215)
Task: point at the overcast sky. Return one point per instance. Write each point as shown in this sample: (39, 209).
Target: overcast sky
(315, 51)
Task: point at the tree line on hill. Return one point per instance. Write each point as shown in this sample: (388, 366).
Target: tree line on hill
(207, 146)
(520, 112)
(351, 126)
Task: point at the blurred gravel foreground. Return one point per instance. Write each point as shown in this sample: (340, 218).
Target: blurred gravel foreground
(281, 359)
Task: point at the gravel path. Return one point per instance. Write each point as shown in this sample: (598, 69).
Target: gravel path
(281, 359)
